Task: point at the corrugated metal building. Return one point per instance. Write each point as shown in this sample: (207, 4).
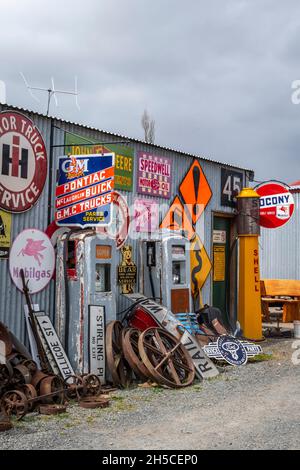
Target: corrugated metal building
(280, 248)
(54, 132)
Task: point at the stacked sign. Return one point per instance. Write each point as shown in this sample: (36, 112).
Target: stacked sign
(84, 190)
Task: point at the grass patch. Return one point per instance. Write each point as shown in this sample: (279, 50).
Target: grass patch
(261, 358)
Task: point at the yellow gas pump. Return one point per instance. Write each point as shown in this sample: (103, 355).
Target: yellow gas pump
(249, 300)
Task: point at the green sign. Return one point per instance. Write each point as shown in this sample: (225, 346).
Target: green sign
(123, 162)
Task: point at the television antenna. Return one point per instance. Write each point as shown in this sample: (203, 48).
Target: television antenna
(52, 92)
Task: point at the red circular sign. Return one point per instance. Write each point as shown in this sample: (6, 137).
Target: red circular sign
(276, 204)
(23, 162)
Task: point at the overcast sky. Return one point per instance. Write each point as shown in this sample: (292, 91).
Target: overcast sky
(215, 75)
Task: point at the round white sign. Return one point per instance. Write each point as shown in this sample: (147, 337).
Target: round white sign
(33, 252)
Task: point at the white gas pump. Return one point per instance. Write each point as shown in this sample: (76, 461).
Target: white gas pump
(86, 289)
(165, 271)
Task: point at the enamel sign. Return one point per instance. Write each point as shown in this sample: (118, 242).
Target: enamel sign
(23, 162)
(84, 192)
(276, 204)
(33, 252)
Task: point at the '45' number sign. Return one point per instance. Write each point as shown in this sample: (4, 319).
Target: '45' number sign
(231, 185)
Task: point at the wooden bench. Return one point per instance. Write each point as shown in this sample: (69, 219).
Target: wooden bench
(284, 293)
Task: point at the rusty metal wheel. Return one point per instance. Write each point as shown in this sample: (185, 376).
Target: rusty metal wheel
(91, 385)
(6, 338)
(119, 368)
(132, 355)
(30, 393)
(37, 378)
(52, 385)
(166, 359)
(75, 387)
(31, 366)
(15, 402)
(22, 375)
(94, 402)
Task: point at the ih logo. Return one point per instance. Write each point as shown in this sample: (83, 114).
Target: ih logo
(23, 162)
(14, 159)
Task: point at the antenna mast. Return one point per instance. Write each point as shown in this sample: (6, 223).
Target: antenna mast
(52, 92)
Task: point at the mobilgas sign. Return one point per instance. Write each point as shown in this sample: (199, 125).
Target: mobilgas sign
(23, 162)
(33, 252)
(84, 190)
(276, 204)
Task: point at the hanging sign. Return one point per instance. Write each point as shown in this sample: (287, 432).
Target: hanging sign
(23, 162)
(123, 161)
(195, 191)
(33, 252)
(84, 190)
(276, 204)
(146, 216)
(97, 341)
(5, 234)
(154, 175)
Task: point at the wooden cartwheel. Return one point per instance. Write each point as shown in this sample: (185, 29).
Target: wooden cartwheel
(120, 371)
(166, 359)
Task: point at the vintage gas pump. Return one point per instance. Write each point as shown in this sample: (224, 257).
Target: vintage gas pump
(86, 288)
(165, 271)
(249, 303)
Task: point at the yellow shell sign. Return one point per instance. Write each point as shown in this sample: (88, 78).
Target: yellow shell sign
(200, 265)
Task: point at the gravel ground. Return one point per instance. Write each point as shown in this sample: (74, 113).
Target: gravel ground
(251, 407)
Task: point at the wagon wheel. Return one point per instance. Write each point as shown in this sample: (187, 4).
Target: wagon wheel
(92, 385)
(132, 355)
(75, 387)
(166, 358)
(5, 337)
(15, 402)
(118, 366)
(37, 378)
(52, 384)
(30, 393)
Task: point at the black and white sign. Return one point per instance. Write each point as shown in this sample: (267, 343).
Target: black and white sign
(55, 346)
(97, 342)
(231, 184)
(232, 349)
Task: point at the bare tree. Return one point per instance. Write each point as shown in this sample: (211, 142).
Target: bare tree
(148, 125)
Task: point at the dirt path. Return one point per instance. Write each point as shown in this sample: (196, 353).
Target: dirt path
(255, 407)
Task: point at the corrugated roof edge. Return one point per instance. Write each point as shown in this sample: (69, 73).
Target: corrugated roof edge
(132, 139)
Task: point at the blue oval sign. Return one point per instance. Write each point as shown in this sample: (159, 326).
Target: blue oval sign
(232, 350)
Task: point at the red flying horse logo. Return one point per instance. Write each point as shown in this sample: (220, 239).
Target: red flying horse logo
(33, 248)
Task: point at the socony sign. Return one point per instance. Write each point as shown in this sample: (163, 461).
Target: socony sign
(23, 162)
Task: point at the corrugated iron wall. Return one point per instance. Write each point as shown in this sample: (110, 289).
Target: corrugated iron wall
(280, 248)
(11, 301)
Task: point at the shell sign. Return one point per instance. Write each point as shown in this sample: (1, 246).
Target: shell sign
(23, 162)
